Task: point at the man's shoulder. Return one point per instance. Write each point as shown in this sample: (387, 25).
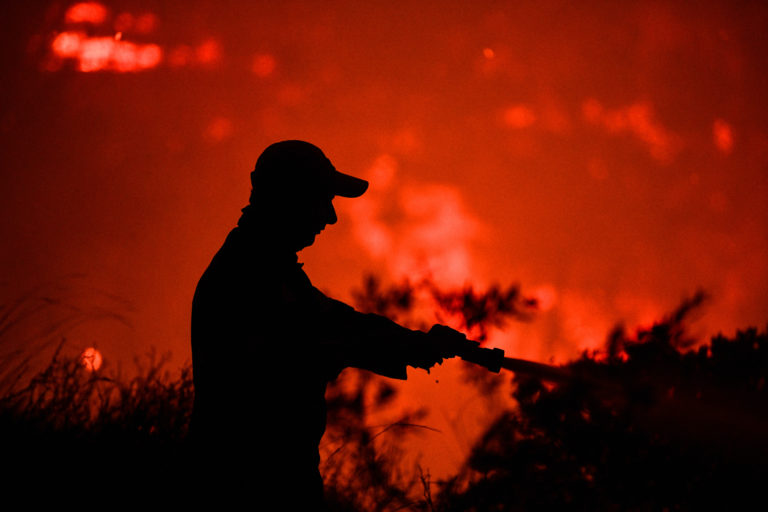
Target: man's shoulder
(242, 261)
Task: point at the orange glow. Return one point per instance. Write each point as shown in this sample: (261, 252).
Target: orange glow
(106, 53)
(86, 12)
(95, 53)
(124, 57)
(609, 160)
(91, 359)
(208, 52)
(434, 233)
(406, 141)
(637, 119)
(585, 323)
(546, 297)
(219, 129)
(67, 44)
(263, 65)
(519, 116)
(148, 56)
(723, 136)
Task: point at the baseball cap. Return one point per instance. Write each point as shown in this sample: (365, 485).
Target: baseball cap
(296, 165)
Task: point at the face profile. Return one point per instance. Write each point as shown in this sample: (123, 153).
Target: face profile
(294, 185)
(313, 215)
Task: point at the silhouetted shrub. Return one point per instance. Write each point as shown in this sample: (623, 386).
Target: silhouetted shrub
(648, 423)
(95, 437)
(645, 426)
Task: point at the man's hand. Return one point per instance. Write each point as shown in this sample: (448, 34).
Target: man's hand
(441, 342)
(450, 342)
(454, 343)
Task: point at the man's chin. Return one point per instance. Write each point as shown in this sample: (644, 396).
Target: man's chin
(306, 242)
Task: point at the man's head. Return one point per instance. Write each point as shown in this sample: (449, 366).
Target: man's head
(294, 184)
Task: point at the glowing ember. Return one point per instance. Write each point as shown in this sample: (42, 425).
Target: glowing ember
(86, 12)
(67, 44)
(209, 52)
(106, 53)
(148, 56)
(124, 56)
(519, 116)
(95, 53)
(91, 359)
(723, 136)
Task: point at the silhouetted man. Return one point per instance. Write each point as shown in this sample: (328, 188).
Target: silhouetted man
(265, 342)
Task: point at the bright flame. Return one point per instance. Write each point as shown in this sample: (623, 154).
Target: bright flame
(420, 230)
(86, 12)
(148, 56)
(91, 359)
(67, 44)
(106, 53)
(95, 53)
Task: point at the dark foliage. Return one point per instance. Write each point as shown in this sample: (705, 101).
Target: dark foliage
(80, 435)
(363, 471)
(475, 310)
(650, 423)
(647, 428)
(479, 311)
(361, 467)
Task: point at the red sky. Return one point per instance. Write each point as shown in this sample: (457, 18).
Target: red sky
(611, 158)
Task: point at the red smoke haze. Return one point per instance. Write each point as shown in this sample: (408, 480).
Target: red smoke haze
(611, 157)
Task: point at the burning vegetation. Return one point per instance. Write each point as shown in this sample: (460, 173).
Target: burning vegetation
(653, 421)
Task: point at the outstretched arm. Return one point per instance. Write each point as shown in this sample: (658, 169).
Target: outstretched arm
(376, 343)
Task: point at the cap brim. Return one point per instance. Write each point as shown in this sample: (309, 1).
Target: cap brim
(345, 185)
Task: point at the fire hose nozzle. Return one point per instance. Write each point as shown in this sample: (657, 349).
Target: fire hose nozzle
(489, 358)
